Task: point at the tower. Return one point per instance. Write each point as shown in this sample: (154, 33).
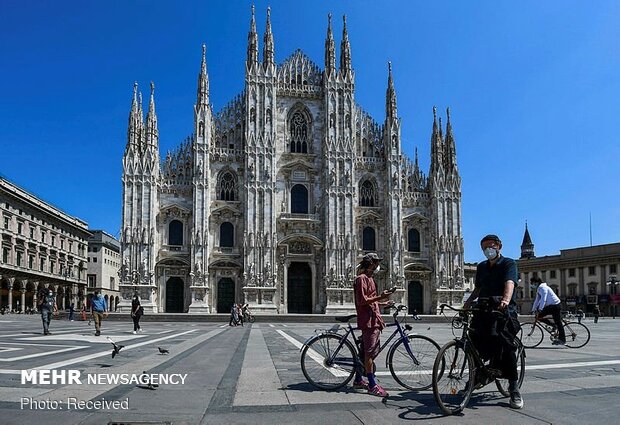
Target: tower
(527, 247)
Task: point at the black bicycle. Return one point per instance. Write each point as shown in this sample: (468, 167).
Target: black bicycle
(329, 359)
(532, 335)
(458, 364)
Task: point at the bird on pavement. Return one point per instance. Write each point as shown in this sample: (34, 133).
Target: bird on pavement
(147, 381)
(163, 351)
(117, 347)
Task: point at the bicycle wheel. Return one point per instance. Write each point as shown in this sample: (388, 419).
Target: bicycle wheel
(531, 334)
(502, 384)
(325, 365)
(452, 372)
(577, 334)
(249, 318)
(406, 372)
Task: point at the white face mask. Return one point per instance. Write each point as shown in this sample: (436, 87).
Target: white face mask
(490, 253)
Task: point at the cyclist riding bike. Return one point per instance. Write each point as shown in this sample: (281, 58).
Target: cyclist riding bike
(546, 303)
(492, 336)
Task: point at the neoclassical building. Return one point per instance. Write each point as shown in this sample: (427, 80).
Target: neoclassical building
(274, 199)
(42, 248)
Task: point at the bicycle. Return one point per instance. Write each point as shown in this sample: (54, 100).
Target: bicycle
(329, 359)
(458, 363)
(532, 335)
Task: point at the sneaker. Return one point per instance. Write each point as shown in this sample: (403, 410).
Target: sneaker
(134, 332)
(97, 333)
(559, 342)
(378, 391)
(140, 330)
(361, 386)
(516, 402)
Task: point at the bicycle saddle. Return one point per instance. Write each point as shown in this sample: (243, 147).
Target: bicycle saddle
(345, 319)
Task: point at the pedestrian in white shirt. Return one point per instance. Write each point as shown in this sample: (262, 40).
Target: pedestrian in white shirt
(547, 302)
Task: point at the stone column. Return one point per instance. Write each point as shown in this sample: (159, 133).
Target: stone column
(22, 290)
(11, 281)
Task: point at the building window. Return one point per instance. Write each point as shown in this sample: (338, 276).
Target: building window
(31, 232)
(227, 235)
(6, 223)
(52, 264)
(612, 269)
(20, 227)
(62, 244)
(175, 233)
(227, 187)
(42, 237)
(572, 290)
(591, 271)
(53, 243)
(112, 282)
(31, 262)
(92, 280)
(367, 194)
(368, 239)
(42, 264)
(592, 289)
(571, 272)
(413, 240)
(299, 199)
(5, 255)
(551, 274)
(94, 259)
(299, 133)
(19, 258)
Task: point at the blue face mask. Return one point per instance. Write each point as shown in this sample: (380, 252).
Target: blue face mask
(490, 253)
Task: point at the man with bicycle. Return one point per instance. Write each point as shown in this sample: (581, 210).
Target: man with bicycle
(496, 279)
(546, 303)
(369, 320)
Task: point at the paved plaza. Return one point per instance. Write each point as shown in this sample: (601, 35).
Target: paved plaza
(252, 375)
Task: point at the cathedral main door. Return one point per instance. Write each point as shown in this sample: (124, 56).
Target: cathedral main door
(174, 295)
(299, 299)
(225, 294)
(415, 299)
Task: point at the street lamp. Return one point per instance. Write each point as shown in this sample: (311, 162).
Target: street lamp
(612, 291)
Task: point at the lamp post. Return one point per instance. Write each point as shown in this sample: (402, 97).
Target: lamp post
(612, 292)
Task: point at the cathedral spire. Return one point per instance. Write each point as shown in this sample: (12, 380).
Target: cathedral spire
(330, 48)
(527, 247)
(152, 133)
(390, 96)
(133, 129)
(202, 95)
(345, 49)
(268, 48)
(450, 144)
(252, 58)
(436, 145)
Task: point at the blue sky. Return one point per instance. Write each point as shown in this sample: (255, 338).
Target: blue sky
(533, 88)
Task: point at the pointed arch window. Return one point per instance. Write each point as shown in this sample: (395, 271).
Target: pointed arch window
(368, 194)
(175, 233)
(227, 187)
(299, 199)
(368, 239)
(227, 234)
(299, 131)
(413, 240)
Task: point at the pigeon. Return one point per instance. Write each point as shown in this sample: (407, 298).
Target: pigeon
(163, 351)
(429, 328)
(147, 382)
(117, 348)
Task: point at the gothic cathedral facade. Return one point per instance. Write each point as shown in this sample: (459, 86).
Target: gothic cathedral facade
(274, 200)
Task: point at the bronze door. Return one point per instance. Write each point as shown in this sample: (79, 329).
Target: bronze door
(174, 295)
(299, 297)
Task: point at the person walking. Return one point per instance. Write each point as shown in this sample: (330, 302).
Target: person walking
(71, 311)
(136, 313)
(580, 315)
(547, 302)
(98, 310)
(369, 321)
(47, 307)
(496, 278)
(597, 313)
(234, 318)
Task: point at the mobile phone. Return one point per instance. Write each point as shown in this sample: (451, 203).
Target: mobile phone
(392, 289)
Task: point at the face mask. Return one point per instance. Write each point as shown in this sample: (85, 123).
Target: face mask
(490, 253)
(50, 294)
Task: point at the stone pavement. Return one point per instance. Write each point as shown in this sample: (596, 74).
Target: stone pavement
(252, 375)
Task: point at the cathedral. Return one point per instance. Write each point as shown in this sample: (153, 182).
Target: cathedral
(273, 200)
